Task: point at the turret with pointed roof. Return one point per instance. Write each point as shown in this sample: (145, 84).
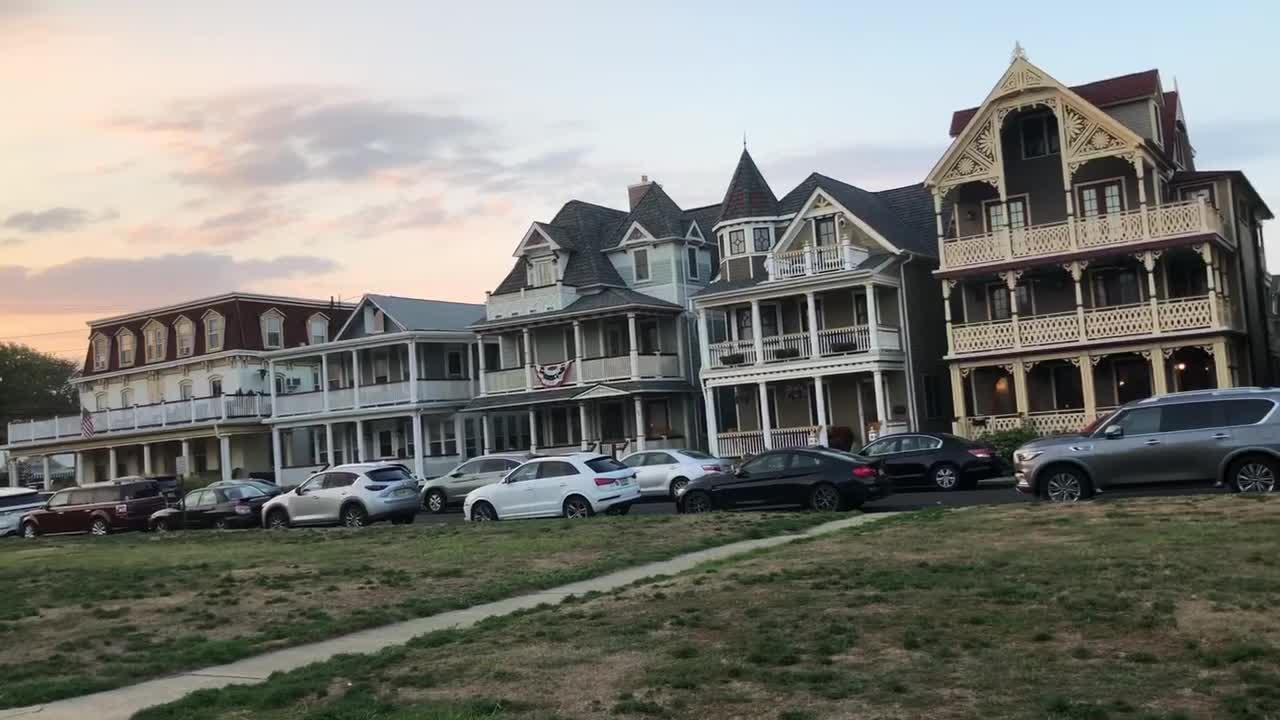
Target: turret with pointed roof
(749, 195)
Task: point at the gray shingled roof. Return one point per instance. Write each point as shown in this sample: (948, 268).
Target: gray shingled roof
(610, 297)
(748, 194)
(896, 214)
(720, 285)
(418, 314)
(657, 213)
(581, 228)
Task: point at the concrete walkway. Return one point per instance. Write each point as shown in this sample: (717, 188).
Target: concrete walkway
(122, 703)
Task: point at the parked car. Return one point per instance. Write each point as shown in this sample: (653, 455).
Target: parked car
(168, 485)
(662, 473)
(1230, 436)
(438, 494)
(572, 486)
(100, 508)
(353, 495)
(818, 478)
(15, 502)
(939, 460)
(229, 505)
(269, 489)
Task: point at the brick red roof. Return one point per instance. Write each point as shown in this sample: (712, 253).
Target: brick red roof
(1100, 93)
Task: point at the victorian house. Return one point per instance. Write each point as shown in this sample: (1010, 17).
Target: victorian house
(1086, 259)
(586, 342)
(181, 389)
(819, 316)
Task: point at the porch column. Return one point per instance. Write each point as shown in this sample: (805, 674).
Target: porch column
(224, 456)
(361, 456)
(1207, 255)
(1020, 387)
(640, 440)
(13, 473)
(582, 426)
(820, 408)
(1077, 274)
(1159, 383)
(873, 318)
(1139, 167)
(355, 379)
(418, 448)
(533, 430)
(882, 412)
(413, 372)
(79, 468)
(681, 342)
(271, 384)
(480, 360)
(947, 286)
(324, 383)
(704, 341)
(146, 458)
(713, 432)
(811, 306)
(277, 460)
(1011, 281)
(459, 436)
(328, 443)
(635, 345)
(756, 338)
(186, 461)
(577, 350)
(766, 423)
(486, 432)
(111, 464)
(1221, 363)
(528, 359)
(1149, 264)
(937, 221)
(428, 438)
(44, 477)
(959, 422)
(1087, 389)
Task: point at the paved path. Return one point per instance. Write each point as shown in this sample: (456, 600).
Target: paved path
(122, 703)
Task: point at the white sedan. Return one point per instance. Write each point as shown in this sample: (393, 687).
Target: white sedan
(571, 486)
(663, 473)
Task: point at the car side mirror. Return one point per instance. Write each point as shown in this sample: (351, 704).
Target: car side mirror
(299, 491)
(739, 472)
(1115, 432)
(455, 474)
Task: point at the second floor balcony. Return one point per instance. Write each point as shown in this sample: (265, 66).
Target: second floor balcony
(173, 413)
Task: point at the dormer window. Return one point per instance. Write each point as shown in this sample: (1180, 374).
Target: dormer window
(542, 272)
(272, 330)
(640, 259)
(154, 336)
(318, 329)
(761, 239)
(101, 352)
(185, 330)
(214, 327)
(124, 341)
(1039, 136)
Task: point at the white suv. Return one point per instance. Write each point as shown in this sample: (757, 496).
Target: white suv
(354, 495)
(572, 486)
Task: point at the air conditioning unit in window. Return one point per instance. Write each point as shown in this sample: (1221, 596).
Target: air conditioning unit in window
(292, 385)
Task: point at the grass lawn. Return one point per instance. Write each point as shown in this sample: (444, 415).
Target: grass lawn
(84, 614)
(1138, 609)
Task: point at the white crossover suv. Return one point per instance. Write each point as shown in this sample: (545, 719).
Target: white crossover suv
(664, 473)
(354, 495)
(571, 486)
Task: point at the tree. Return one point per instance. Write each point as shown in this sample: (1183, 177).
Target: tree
(34, 385)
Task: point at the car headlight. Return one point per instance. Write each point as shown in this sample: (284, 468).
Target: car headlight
(1027, 455)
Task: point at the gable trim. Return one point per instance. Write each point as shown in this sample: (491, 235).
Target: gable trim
(600, 391)
(793, 228)
(535, 230)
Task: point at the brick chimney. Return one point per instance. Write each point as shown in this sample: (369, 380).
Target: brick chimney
(637, 191)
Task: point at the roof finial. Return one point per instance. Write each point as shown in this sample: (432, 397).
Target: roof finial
(1018, 52)
(1175, 83)
(744, 139)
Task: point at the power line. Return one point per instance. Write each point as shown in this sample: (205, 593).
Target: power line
(43, 334)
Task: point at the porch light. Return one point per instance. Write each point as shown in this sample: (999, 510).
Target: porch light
(1180, 366)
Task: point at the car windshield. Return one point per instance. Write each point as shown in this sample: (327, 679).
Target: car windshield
(389, 474)
(141, 490)
(605, 464)
(697, 455)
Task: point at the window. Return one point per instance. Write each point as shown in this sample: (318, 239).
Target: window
(1039, 136)
(660, 458)
(389, 474)
(1140, 421)
(542, 272)
(824, 230)
(154, 335)
(199, 500)
(338, 480)
(185, 331)
(737, 242)
(658, 418)
(637, 460)
(761, 240)
(767, 463)
(100, 401)
(650, 337)
(1104, 198)
(215, 386)
(640, 258)
(605, 464)
(691, 261)
(125, 342)
(881, 447)
(318, 329)
(101, 348)
(454, 363)
(126, 397)
(213, 327)
(1191, 416)
(385, 446)
(185, 390)
(998, 301)
(272, 330)
(805, 463)
(556, 469)
(1204, 192)
(526, 472)
(1247, 412)
(995, 214)
(1115, 287)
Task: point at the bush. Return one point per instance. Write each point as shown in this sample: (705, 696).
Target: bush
(840, 437)
(1006, 441)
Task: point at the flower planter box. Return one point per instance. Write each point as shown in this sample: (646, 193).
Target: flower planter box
(785, 353)
(733, 359)
(844, 347)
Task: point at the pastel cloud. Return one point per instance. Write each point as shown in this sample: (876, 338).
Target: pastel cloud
(55, 219)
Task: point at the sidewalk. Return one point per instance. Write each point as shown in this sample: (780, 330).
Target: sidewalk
(122, 703)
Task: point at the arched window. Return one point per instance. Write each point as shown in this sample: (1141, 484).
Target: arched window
(215, 386)
(126, 397)
(186, 390)
(185, 330)
(101, 352)
(100, 401)
(272, 329)
(214, 331)
(155, 336)
(124, 342)
(318, 329)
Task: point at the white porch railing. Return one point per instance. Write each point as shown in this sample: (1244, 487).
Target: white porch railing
(388, 393)
(986, 424)
(173, 413)
(657, 365)
(796, 437)
(785, 347)
(1194, 217)
(732, 353)
(814, 260)
(504, 380)
(606, 368)
(890, 337)
(1056, 422)
(842, 340)
(301, 403)
(432, 390)
(741, 444)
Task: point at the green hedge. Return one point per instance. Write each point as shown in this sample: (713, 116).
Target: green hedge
(1006, 441)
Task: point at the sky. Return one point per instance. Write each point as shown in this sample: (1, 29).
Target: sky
(157, 152)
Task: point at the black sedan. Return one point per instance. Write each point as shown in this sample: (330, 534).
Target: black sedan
(225, 507)
(937, 460)
(818, 478)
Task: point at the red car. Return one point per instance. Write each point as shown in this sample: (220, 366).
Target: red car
(99, 509)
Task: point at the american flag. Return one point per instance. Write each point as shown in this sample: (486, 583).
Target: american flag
(86, 423)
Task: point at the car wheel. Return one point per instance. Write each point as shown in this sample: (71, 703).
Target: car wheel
(576, 507)
(161, 526)
(220, 524)
(696, 501)
(825, 498)
(677, 485)
(99, 527)
(435, 501)
(1066, 485)
(1253, 475)
(483, 512)
(354, 516)
(277, 520)
(29, 531)
(946, 476)
(618, 510)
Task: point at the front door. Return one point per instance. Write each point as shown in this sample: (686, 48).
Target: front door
(612, 421)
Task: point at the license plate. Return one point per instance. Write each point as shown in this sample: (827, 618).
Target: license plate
(624, 481)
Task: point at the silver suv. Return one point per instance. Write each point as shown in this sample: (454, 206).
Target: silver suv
(353, 495)
(1230, 436)
(452, 487)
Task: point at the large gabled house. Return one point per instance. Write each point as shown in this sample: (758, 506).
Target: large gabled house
(820, 315)
(586, 342)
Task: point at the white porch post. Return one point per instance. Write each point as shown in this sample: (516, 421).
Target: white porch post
(428, 437)
(1206, 254)
(360, 449)
(277, 458)
(1159, 382)
(224, 456)
(533, 430)
(766, 424)
(812, 309)
(1020, 387)
(1077, 274)
(146, 459)
(681, 352)
(882, 412)
(1221, 363)
(528, 359)
(582, 424)
(79, 468)
(820, 406)
(756, 338)
(704, 342)
(713, 430)
(324, 383)
(486, 431)
(413, 372)
(577, 350)
(271, 384)
(111, 464)
(635, 345)
(480, 360)
(640, 439)
(1087, 389)
(186, 461)
(13, 473)
(44, 468)
(873, 318)
(328, 444)
(355, 379)
(418, 449)
(947, 286)
(460, 436)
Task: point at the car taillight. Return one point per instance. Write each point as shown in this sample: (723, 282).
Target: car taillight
(243, 509)
(603, 481)
(864, 471)
(122, 509)
(711, 468)
(375, 488)
(980, 452)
